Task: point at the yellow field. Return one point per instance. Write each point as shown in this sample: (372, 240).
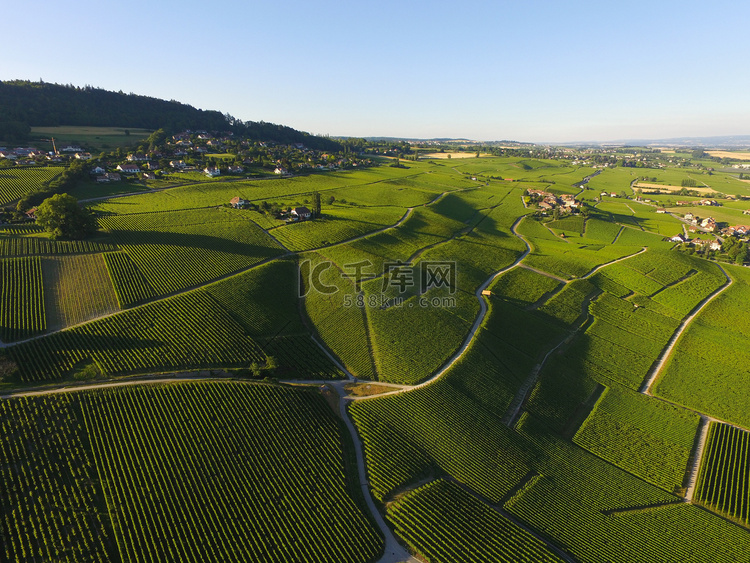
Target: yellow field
(672, 189)
(730, 154)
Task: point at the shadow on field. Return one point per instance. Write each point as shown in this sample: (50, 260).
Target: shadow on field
(189, 241)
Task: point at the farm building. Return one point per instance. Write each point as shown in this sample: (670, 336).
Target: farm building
(301, 212)
(238, 202)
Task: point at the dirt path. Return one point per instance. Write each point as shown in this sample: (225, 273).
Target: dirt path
(221, 278)
(653, 375)
(514, 409)
(475, 327)
(697, 458)
(394, 552)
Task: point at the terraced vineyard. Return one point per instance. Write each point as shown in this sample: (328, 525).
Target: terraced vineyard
(651, 439)
(28, 246)
(21, 298)
(184, 332)
(537, 442)
(183, 249)
(15, 183)
(52, 505)
(725, 473)
(444, 523)
(713, 335)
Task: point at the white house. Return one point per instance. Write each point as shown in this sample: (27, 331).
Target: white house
(129, 168)
(302, 213)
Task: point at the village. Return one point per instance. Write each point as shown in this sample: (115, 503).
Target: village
(212, 154)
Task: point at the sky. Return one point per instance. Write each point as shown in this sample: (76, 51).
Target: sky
(524, 70)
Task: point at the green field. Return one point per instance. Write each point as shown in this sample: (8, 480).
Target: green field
(513, 424)
(96, 138)
(713, 337)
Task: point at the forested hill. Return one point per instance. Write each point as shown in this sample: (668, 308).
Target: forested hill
(24, 104)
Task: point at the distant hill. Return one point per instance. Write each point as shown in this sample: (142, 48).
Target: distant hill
(25, 104)
(715, 142)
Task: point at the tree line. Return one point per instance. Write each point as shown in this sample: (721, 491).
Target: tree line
(25, 104)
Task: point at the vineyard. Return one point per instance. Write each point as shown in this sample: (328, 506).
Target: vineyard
(128, 474)
(129, 284)
(648, 438)
(537, 443)
(16, 183)
(183, 249)
(21, 298)
(52, 507)
(725, 472)
(442, 522)
(713, 337)
(189, 331)
(77, 289)
(28, 246)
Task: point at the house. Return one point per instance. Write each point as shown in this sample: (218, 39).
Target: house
(678, 238)
(31, 213)
(102, 178)
(137, 157)
(741, 230)
(301, 213)
(114, 177)
(83, 155)
(709, 224)
(212, 171)
(711, 244)
(236, 169)
(97, 170)
(149, 176)
(746, 212)
(129, 168)
(153, 165)
(238, 202)
(71, 148)
(661, 210)
(690, 217)
(280, 170)
(179, 164)
(683, 203)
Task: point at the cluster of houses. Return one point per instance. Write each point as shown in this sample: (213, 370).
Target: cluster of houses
(291, 215)
(547, 201)
(704, 202)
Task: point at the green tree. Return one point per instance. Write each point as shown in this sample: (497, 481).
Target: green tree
(62, 216)
(316, 204)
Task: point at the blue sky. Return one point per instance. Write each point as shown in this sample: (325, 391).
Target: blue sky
(488, 70)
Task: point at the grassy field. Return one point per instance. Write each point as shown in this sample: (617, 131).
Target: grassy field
(96, 138)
